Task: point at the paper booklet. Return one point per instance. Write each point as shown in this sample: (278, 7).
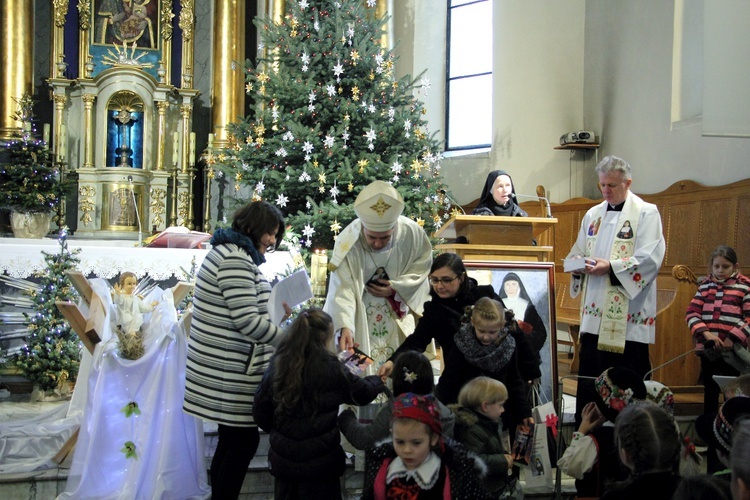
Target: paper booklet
(294, 290)
(576, 264)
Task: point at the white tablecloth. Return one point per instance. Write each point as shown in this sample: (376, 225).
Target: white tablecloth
(21, 258)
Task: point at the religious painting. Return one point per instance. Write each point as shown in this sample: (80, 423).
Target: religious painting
(125, 33)
(120, 22)
(528, 289)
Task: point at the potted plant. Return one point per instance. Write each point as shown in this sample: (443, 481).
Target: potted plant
(29, 186)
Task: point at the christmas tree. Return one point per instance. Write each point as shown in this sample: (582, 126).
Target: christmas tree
(329, 117)
(51, 355)
(28, 180)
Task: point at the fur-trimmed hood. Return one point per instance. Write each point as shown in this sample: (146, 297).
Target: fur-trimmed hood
(464, 416)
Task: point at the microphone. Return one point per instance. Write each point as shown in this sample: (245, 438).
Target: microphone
(450, 198)
(546, 201)
(648, 373)
(137, 216)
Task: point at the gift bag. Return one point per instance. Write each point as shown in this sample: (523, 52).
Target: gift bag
(538, 473)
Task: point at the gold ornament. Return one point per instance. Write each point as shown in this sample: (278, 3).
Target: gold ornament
(420, 222)
(380, 207)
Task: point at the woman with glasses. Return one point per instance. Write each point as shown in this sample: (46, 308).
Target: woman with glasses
(451, 290)
(232, 339)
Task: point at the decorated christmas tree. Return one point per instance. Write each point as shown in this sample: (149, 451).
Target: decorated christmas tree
(29, 182)
(329, 117)
(51, 355)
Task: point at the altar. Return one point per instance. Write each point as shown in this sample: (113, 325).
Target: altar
(22, 258)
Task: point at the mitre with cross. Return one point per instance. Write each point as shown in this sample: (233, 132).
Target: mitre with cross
(379, 206)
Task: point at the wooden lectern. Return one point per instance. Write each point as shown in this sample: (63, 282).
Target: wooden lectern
(480, 237)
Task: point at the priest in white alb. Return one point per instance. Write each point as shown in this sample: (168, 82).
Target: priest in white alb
(623, 244)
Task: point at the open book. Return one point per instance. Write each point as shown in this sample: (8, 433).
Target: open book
(177, 237)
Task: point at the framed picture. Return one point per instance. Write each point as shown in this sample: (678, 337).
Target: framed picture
(527, 288)
(125, 33)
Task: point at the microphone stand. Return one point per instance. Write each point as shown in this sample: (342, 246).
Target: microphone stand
(137, 215)
(558, 472)
(454, 202)
(546, 202)
(648, 373)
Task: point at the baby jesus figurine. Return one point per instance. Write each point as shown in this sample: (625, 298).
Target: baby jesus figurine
(129, 315)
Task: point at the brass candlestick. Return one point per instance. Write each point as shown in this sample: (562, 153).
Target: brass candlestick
(209, 175)
(63, 195)
(173, 214)
(189, 222)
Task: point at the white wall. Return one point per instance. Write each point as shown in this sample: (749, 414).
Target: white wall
(628, 82)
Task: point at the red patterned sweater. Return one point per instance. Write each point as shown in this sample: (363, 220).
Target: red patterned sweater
(721, 307)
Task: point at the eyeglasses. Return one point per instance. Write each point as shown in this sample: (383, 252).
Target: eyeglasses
(444, 281)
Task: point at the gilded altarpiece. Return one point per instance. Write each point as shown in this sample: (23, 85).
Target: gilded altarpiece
(124, 124)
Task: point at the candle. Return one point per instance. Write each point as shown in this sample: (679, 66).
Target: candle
(192, 148)
(210, 140)
(45, 135)
(175, 148)
(62, 148)
(27, 126)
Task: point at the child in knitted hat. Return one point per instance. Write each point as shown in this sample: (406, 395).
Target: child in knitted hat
(592, 457)
(419, 462)
(717, 430)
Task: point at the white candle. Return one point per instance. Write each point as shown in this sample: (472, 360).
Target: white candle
(175, 148)
(62, 149)
(192, 148)
(210, 140)
(45, 135)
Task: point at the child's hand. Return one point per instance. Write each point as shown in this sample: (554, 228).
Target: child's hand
(154, 303)
(117, 287)
(591, 419)
(728, 344)
(525, 425)
(712, 340)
